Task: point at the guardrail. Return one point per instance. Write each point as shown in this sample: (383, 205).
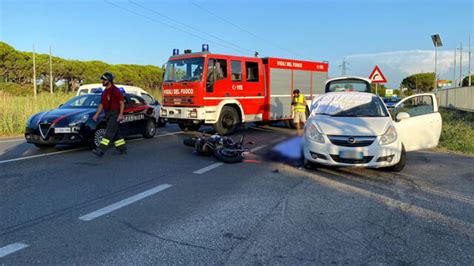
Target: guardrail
(461, 98)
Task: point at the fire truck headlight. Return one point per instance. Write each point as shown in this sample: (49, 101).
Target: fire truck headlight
(164, 112)
(193, 113)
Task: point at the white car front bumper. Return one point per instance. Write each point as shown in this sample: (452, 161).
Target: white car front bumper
(374, 155)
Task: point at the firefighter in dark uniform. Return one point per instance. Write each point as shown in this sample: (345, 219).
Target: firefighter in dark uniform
(112, 103)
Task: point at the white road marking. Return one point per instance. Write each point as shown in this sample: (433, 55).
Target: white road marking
(12, 140)
(40, 155)
(258, 148)
(169, 134)
(124, 203)
(7, 250)
(78, 149)
(208, 168)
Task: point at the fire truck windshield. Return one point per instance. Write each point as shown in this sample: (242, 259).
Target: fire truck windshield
(180, 70)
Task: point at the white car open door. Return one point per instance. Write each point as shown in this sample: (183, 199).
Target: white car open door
(418, 121)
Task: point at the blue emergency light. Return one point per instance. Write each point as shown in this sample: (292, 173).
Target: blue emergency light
(205, 47)
(175, 51)
(122, 90)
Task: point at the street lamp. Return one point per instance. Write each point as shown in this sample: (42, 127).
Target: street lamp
(437, 43)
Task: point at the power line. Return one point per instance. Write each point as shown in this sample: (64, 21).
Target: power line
(242, 29)
(166, 24)
(190, 27)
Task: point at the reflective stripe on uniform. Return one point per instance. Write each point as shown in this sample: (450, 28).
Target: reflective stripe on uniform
(119, 142)
(300, 105)
(105, 141)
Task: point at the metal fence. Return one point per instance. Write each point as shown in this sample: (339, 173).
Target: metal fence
(461, 98)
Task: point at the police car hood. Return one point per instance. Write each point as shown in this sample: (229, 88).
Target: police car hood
(60, 115)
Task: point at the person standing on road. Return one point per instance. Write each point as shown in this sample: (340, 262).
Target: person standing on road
(299, 111)
(112, 103)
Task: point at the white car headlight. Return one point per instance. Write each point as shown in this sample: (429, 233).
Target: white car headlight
(79, 120)
(313, 133)
(390, 136)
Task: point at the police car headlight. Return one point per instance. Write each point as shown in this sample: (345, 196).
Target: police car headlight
(79, 120)
(313, 134)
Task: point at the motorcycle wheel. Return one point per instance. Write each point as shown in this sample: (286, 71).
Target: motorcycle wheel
(226, 156)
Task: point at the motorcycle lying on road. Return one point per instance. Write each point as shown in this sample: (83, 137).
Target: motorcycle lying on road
(223, 148)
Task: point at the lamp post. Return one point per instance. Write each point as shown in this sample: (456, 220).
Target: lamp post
(437, 43)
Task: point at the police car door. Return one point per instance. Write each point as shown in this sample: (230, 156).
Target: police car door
(134, 115)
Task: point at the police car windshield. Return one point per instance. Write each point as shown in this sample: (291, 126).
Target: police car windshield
(180, 70)
(348, 85)
(83, 101)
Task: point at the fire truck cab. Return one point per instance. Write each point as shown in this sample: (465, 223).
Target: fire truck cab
(223, 90)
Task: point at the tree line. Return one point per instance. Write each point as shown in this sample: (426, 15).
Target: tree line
(16, 72)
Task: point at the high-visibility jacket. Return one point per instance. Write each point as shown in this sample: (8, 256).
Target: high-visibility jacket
(299, 103)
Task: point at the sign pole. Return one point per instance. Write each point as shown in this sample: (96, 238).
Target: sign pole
(376, 89)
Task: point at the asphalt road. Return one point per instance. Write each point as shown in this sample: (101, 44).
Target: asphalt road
(162, 204)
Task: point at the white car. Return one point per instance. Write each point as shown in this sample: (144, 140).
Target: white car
(355, 129)
(99, 88)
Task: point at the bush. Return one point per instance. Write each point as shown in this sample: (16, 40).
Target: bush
(458, 131)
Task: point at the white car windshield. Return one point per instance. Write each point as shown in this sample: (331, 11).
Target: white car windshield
(349, 105)
(83, 101)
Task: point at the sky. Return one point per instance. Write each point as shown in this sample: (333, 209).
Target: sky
(395, 35)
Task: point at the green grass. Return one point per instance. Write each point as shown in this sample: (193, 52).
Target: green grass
(15, 110)
(458, 131)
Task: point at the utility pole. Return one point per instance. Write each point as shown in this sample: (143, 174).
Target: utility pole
(460, 66)
(34, 72)
(454, 68)
(50, 72)
(469, 64)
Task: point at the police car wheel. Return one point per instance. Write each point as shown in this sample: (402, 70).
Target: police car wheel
(150, 129)
(98, 135)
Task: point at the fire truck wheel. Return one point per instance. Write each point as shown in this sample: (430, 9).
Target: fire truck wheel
(227, 122)
(188, 126)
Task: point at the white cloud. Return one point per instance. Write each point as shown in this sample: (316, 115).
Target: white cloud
(396, 65)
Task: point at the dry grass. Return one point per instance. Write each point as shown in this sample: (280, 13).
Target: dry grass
(15, 110)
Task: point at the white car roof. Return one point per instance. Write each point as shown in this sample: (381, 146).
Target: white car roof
(127, 88)
(349, 77)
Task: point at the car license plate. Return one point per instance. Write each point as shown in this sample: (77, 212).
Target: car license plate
(351, 155)
(62, 130)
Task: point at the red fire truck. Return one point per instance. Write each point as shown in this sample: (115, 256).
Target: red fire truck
(223, 90)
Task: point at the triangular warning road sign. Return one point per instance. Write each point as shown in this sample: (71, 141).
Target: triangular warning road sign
(377, 76)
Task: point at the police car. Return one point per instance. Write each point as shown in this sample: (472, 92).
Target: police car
(71, 122)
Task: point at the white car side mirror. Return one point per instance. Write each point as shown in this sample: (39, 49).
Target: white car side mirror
(402, 115)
